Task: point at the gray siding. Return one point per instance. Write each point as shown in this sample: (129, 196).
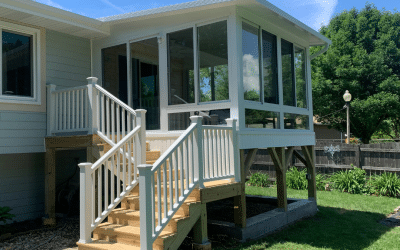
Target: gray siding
(67, 59)
(22, 132)
(22, 184)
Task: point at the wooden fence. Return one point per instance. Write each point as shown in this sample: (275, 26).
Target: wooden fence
(333, 156)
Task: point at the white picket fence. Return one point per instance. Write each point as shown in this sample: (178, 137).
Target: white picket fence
(201, 154)
(165, 185)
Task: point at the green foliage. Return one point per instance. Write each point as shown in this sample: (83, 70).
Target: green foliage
(369, 187)
(259, 180)
(351, 181)
(5, 214)
(387, 184)
(364, 58)
(321, 181)
(296, 179)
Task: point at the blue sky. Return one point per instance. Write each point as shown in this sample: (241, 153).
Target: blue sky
(311, 12)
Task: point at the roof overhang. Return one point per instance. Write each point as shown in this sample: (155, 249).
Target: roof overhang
(37, 14)
(261, 8)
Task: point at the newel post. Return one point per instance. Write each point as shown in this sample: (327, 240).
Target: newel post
(92, 112)
(85, 213)
(51, 112)
(234, 142)
(141, 121)
(198, 148)
(145, 206)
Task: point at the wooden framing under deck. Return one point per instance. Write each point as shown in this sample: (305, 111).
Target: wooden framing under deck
(52, 144)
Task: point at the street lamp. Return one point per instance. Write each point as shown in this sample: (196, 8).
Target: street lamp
(347, 99)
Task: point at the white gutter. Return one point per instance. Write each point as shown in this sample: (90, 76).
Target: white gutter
(323, 50)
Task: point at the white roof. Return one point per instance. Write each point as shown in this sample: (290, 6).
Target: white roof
(27, 11)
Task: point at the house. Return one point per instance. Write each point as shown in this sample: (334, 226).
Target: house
(189, 86)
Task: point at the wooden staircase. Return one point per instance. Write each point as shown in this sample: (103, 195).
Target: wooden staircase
(122, 230)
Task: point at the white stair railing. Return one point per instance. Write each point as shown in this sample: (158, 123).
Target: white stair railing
(165, 185)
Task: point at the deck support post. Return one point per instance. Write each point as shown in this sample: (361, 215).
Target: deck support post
(200, 234)
(50, 186)
(281, 159)
(309, 155)
(239, 202)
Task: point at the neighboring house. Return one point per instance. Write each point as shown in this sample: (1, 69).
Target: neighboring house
(323, 132)
(227, 61)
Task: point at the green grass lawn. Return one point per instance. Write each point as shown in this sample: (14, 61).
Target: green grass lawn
(344, 221)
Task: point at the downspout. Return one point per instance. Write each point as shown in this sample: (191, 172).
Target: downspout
(323, 50)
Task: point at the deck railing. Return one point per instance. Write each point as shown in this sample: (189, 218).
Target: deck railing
(164, 186)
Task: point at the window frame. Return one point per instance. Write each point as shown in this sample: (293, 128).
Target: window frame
(35, 99)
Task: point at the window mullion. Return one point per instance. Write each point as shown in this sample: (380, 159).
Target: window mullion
(261, 66)
(294, 75)
(1, 62)
(196, 65)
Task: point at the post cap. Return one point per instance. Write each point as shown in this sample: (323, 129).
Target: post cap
(196, 118)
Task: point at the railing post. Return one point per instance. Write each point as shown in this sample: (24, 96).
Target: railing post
(51, 112)
(198, 149)
(141, 120)
(86, 210)
(232, 123)
(92, 112)
(145, 206)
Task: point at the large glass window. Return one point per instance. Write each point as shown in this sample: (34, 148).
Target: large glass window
(261, 119)
(270, 68)
(17, 70)
(289, 91)
(181, 67)
(296, 121)
(115, 71)
(300, 72)
(213, 59)
(251, 64)
(181, 121)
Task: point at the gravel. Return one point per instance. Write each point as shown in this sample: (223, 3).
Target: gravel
(64, 236)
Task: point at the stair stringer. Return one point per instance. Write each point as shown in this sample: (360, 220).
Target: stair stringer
(183, 227)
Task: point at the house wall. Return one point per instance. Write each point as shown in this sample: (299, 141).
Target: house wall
(22, 184)
(68, 60)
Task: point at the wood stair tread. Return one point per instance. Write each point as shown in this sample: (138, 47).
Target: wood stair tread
(136, 213)
(106, 245)
(116, 228)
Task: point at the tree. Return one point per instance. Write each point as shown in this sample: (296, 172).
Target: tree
(364, 58)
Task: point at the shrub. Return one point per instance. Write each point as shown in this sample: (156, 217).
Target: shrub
(351, 181)
(259, 180)
(369, 187)
(321, 181)
(387, 184)
(296, 179)
(5, 214)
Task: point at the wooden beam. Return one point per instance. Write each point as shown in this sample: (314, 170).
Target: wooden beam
(200, 234)
(70, 141)
(289, 155)
(50, 186)
(278, 156)
(249, 160)
(308, 152)
(239, 201)
(300, 157)
(210, 194)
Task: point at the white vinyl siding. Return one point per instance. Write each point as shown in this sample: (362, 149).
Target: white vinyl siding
(67, 60)
(27, 198)
(22, 132)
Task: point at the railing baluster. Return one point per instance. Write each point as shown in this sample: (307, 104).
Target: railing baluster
(118, 175)
(64, 110)
(58, 115)
(180, 150)
(87, 109)
(218, 142)
(171, 184)
(124, 167)
(158, 173)
(118, 122)
(123, 124)
(130, 162)
(108, 116)
(106, 166)
(205, 150)
(165, 182)
(227, 172)
(99, 193)
(73, 110)
(112, 179)
(98, 109)
(175, 157)
(210, 155)
(93, 191)
(113, 122)
(103, 118)
(187, 162)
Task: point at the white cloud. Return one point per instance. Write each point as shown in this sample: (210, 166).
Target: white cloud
(314, 13)
(113, 6)
(52, 4)
(251, 73)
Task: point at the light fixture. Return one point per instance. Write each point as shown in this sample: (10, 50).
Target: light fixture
(347, 96)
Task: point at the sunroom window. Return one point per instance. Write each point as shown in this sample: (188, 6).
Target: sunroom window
(251, 63)
(213, 60)
(18, 64)
(181, 67)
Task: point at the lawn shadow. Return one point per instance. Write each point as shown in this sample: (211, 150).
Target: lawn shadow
(333, 228)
